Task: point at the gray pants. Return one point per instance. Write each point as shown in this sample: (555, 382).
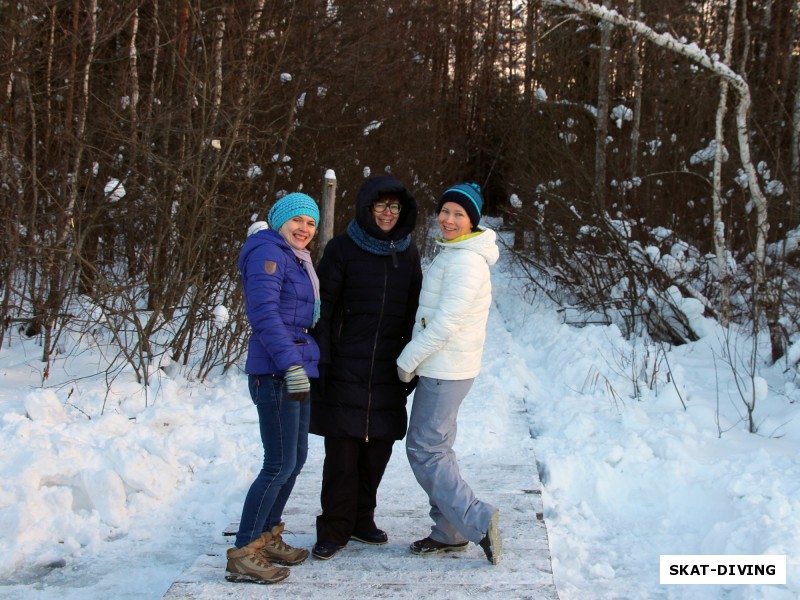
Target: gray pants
(457, 514)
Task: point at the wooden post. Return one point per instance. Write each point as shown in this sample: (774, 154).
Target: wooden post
(326, 211)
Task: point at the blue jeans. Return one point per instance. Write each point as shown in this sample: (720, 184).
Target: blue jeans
(284, 435)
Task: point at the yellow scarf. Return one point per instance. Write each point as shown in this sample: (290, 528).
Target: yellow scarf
(461, 238)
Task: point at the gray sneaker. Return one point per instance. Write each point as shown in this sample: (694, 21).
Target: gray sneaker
(248, 565)
(430, 546)
(491, 543)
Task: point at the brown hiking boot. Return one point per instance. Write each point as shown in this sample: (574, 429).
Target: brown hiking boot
(278, 551)
(248, 565)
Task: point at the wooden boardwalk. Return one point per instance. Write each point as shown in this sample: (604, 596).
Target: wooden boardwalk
(507, 479)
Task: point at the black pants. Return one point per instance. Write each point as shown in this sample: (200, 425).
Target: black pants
(350, 477)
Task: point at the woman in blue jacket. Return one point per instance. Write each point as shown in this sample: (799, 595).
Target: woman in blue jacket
(281, 293)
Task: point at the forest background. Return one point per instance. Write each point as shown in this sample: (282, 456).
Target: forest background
(644, 153)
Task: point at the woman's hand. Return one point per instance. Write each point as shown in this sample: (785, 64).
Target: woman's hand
(297, 384)
(404, 376)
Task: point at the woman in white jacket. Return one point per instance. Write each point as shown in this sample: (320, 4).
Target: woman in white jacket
(445, 352)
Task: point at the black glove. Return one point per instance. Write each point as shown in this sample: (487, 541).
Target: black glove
(297, 384)
(411, 385)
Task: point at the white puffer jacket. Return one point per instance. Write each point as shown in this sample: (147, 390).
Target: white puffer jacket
(450, 327)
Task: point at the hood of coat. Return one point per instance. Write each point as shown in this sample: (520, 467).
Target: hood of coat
(369, 192)
(483, 242)
(259, 238)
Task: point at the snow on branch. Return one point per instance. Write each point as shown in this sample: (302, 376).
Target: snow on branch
(698, 55)
(665, 40)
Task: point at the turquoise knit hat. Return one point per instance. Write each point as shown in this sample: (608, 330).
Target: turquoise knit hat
(468, 195)
(292, 205)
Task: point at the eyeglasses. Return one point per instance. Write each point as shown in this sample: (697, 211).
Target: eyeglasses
(380, 207)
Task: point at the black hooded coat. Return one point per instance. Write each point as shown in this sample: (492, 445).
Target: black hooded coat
(368, 304)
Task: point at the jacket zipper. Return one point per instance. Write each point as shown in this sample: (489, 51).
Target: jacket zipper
(375, 348)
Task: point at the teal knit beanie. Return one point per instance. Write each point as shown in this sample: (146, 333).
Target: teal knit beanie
(292, 205)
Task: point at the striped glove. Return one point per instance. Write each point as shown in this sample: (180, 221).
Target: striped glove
(297, 384)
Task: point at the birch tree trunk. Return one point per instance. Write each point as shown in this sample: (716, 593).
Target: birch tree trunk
(134, 74)
(720, 249)
(601, 132)
(636, 63)
(156, 62)
(219, 36)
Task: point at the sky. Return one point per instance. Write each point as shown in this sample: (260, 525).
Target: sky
(642, 451)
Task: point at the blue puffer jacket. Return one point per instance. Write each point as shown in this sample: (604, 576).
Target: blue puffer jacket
(279, 300)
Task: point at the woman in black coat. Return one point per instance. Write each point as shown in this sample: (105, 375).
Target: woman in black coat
(370, 278)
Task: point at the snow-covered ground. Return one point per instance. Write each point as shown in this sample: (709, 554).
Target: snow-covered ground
(119, 504)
